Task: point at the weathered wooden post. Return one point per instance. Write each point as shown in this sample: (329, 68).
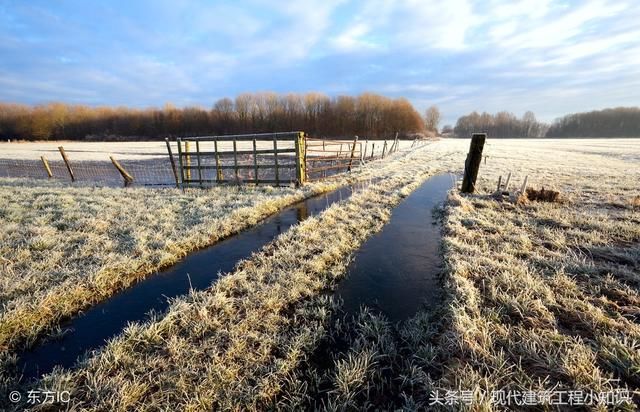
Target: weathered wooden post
(235, 160)
(198, 160)
(275, 159)
(66, 162)
(179, 141)
(384, 148)
(472, 164)
(300, 159)
(255, 162)
(353, 151)
(187, 160)
(173, 162)
(128, 179)
(219, 176)
(46, 166)
(373, 149)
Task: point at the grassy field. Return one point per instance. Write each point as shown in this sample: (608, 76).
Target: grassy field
(100, 151)
(536, 296)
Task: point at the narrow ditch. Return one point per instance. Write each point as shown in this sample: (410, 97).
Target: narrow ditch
(91, 329)
(396, 271)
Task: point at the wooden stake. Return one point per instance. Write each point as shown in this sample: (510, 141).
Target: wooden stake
(472, 164)
(353, 150)
(524, 185)
(235, 160)
(128, 179)
(506, 184)
(173, 162)
(198, 160)
(275, 155)
(255, 161)
(46, 166)
(66, 162)
(187, 160)
(499, 184)
(301, 161)
(373, 150)
(179, 141)
(219, 176)
(384, 148)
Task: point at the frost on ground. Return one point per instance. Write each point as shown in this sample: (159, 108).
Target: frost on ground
(536, 296)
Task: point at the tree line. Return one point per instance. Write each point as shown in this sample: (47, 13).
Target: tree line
(501, 125)
(368, 115)
(615, 122)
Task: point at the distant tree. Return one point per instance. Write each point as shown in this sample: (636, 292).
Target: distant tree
(432, 118)
(447, 129)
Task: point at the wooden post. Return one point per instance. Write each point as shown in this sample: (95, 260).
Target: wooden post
(235, 160)
(472, 164)
(506, 183)
(301, 162)
(395, 143)
(364, 155)
(499, 184)
(128, 179)
(353, 151)
(173, 163)
(198, 160)
(524, 184)
(275, 154)
(187, 160)
(66, 162)
(218, 169)
(255, 162)
(46, 166)
(384, 148)
(179, 141)
(373, 150)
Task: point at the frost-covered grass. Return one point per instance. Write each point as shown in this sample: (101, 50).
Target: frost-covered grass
(535, 296)
(64, 248)
(233, 345)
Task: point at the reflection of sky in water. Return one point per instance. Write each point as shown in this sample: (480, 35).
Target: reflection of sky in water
(396, 270)
(198, 270)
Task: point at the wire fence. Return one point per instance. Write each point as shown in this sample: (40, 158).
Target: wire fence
(322, 159)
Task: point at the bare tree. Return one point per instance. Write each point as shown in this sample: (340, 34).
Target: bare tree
(432, 118)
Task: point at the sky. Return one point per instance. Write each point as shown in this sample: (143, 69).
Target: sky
(550, 57)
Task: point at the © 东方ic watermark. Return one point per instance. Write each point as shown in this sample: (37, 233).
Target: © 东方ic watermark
(40, 397)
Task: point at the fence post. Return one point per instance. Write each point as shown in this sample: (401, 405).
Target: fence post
(472, 164)
(255, 162)
(235, 160)
(173, 162)
(179, 141)
(128, 179)
(275, 154)
(395, 143)
(384, 148)
(353, 151)
(187, 160)
(198, 162)
(46, 166)
(300, 159)
(66, 162)
(373, 150)
(218, 169)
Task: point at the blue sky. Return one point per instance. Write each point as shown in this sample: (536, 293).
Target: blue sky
(551, 57)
